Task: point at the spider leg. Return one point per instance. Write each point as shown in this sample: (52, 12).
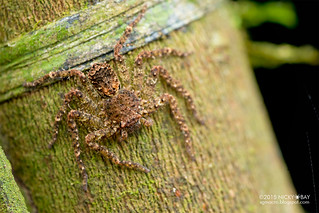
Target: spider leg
(125, 74)
(152, 55)
(56, 76)
(157, 71)
(126, 34)
(67, 99)
(83, 117)
(119, 45)
(158, 53)
(146, 122)
(161, 101)
(123, 136)
(91, 139)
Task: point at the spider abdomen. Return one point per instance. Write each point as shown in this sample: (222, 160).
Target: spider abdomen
(123, 108)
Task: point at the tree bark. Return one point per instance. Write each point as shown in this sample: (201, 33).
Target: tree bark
(11, 199)
(237, 158)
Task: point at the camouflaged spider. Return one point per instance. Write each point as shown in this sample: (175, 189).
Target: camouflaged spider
(121, 110)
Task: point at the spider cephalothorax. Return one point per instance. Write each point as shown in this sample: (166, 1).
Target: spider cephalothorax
(104, 79)
(122, 106)
(120, 110)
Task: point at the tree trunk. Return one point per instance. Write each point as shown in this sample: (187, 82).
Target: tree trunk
(11, 199)
(237, 158)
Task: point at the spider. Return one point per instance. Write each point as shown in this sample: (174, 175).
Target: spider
(120, 110)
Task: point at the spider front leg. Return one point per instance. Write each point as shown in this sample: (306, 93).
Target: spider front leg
(166, 51)
(161, 101)
(157, 71)
(83, 117)
(67, 99)
(119, 45)
(91, 139)
(126, 34)
(56, 76)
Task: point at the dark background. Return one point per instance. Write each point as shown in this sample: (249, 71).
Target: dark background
(290, 94)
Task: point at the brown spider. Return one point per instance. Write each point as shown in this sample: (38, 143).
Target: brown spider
(121, 110)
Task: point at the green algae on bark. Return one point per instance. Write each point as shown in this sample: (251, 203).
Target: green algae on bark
(19, 17)
(89, 36)
(11, 199)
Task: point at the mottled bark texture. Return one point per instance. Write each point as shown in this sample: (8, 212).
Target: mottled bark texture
(237, 158)
(18, 16)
